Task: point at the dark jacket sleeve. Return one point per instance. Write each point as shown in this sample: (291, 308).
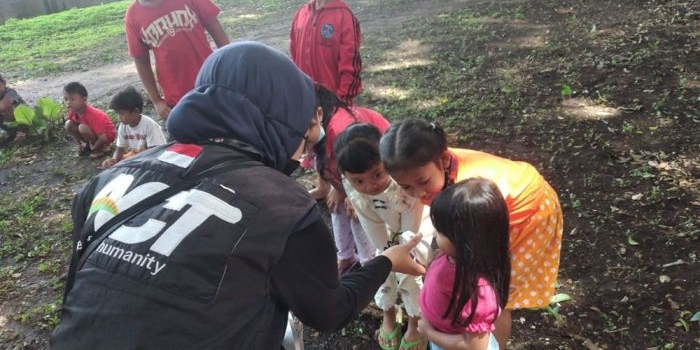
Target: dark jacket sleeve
(306, 280)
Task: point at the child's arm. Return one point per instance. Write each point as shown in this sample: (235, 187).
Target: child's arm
(143, 67)
(374, 226)
(466, 341)
(217, 32)
(7, 108)
(116, 158)
(334, 199)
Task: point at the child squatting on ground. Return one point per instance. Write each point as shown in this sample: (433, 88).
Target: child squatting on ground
(466, 286)
(90, 127)
(415, 154)
(384, 211)
(9, 99)
(136, 132)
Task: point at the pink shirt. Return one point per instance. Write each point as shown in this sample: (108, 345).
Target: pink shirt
(174, 30)
(435, 296)
(97, 120)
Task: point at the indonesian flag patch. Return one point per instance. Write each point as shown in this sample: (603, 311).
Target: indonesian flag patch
(180, 154)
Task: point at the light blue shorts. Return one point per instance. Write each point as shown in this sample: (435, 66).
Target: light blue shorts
(493, 344)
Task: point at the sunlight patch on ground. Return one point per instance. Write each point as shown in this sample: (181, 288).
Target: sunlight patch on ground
(400, 64)
(244, 17)
(585, 109)
(410, 53)
(425, 104)
(390, 92)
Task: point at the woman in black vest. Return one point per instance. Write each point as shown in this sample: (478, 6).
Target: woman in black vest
(219, 263)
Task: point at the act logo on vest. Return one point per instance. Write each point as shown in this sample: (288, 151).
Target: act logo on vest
(113, 199)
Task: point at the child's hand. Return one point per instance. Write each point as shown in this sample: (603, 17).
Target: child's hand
(350, 210)
(424, 327)
(162, 109)
(401, 259)
(334, 199)
(108, 163)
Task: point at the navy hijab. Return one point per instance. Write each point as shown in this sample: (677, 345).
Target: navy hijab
(252, 93)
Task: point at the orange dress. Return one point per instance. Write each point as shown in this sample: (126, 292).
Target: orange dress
(536, 223)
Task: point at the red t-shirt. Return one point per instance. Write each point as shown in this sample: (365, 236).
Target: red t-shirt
(174, 31)
(97, 120)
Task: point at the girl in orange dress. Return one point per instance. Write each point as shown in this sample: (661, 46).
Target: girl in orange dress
(415, 154)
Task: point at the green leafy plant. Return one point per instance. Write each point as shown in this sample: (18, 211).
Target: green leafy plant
(555, 304)
(566, 91)
(685, 324)
(45, 119)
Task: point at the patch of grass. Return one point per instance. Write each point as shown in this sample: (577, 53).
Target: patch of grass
(46, 315)
(51, 267)
(61, 41)
(23, 224)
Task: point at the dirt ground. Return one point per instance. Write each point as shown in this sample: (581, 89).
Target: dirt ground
(602, 96)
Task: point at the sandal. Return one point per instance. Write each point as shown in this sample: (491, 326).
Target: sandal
(418, 344)
(388, 340)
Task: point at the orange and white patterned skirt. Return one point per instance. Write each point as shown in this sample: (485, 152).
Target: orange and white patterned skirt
(535, 246)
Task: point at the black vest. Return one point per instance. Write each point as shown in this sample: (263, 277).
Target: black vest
(190, 273)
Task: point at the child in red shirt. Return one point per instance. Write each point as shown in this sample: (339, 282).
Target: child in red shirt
(325, 44)
(90, 127)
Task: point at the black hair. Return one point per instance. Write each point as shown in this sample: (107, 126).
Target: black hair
(357, 148)
(329, 103)
(473, 216)
(2, 80)
(411, 143)
(76, 88)
(127, 100)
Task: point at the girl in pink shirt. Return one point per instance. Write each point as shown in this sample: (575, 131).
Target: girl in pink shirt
(466, 286)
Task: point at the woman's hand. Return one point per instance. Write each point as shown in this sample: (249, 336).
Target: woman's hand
(401, 259)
